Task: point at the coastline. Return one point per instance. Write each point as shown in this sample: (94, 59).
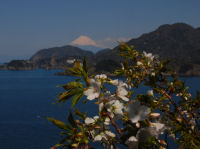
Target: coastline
(63, 71)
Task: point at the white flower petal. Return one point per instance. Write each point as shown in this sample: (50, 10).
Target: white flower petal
(124, 98)
(122, 84)
(98, 138)
(111, 115)
(132, 139)
(139, 63)
(101, 107)
(109, 133)
(132, 142)
(155, 115)
(122, 66)
(89, 120)
(122, 93)
(137, 125)
(135, 119)
(91, 94)
(96, 117)
(149, 56)
(101, 76)
(137, 112)
(114, 82)
(119, 112)
(107, 121)
(150, 93)
(103, 135)
(117, 107)
(159, 127)
(93, 91)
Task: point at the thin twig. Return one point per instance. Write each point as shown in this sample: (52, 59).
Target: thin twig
(176, 107)
(113, 123)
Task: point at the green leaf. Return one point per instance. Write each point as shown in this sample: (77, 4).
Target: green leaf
(75, 72)
(119, 72)
(76, 99)
(65, 96)
(73, 90)
(78, 113)
(73, 85)
(60, 124)
(71, 120)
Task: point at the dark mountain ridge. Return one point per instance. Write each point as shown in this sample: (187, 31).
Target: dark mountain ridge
(170, 40)
(51, 58)
(59, 53)
(179, 43)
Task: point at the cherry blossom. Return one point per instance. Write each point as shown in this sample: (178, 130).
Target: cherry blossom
(121, 91)
(155, 115)
(126, 113)
(139, 63)
(110, 134)
(114, 107)
(132, 142)
(150, 93)
(159, 127)
(103, 136)
(149, 56)
(94, 90)
(89, 120)
(101, 76)
(107, 121)
(137, 112)
(100, 137)
(114, 82)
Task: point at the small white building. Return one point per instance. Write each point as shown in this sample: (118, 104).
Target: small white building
(70, 61)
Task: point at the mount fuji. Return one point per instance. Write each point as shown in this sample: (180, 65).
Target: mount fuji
(86, 43)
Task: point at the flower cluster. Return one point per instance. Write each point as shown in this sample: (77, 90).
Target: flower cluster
(117, 106)
(126, 117)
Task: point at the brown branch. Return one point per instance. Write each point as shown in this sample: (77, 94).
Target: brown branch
(176, 107)
(114, 124)
(86, 146)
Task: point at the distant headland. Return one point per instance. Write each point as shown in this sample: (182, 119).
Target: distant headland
(179, 43)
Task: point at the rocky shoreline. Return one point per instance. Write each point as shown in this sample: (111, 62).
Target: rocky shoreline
(192, 73)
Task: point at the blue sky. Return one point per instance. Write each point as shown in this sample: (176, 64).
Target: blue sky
(29, 25)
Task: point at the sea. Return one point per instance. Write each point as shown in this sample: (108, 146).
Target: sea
(28, 97)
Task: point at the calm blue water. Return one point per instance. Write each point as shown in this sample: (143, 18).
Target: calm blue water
(26, 97)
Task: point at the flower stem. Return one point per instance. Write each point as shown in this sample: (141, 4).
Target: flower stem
(115, 125)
